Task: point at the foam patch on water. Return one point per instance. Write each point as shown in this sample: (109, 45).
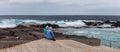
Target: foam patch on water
(80, 32)
(78, 23)
(106, 25)
(7, 23)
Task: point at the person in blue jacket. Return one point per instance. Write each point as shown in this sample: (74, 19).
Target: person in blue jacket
(45, 31)
(50, 35)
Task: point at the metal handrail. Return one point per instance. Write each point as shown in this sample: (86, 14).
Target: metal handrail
(110, 42)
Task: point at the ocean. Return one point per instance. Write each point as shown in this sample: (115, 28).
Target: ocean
(63, 17)
(107, 35)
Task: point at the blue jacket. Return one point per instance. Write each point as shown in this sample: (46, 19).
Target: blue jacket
(50, 34)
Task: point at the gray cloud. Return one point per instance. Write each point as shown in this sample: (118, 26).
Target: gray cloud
(59, 7)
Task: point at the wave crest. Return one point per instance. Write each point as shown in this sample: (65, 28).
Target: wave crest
(10, 23)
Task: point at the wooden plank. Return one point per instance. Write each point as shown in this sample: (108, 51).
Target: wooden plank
(44, 45)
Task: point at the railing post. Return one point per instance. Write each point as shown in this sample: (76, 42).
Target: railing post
(110, 43)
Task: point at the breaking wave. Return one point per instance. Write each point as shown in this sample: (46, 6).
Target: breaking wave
(10, 23)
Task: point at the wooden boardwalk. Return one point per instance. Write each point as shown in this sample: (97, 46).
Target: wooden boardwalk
(44, 45)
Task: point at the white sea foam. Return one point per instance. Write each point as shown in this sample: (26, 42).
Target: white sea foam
(80, 32)
(106, 25)
(60, 23)
(8, 23)
(71, 23)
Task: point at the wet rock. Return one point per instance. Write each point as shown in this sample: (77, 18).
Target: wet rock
(52, 25)
(26, 24)
(38, 35)
(93, 23)
(31, 24)
(107, 21)
(116, 24)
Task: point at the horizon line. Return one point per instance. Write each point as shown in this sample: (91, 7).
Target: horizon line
(59, 15)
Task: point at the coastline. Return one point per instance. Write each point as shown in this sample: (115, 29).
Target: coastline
(14, 36)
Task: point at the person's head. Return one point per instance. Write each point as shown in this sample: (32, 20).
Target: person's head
(47, 27)
(50, 28)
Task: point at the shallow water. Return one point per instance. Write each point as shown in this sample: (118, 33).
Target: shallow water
(109, 36)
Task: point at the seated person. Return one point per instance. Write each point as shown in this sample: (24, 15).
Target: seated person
(50, 34)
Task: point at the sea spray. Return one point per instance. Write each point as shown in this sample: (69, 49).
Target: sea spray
(10, 23)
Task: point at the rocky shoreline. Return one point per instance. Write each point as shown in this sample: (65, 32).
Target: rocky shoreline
(29, 32)
(102, 23)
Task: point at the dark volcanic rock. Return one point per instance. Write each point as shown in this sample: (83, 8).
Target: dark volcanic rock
(5, 33)
(107, 21)
(24, 35)
(116, 24)
(97, 24)
(38, 35)
(26, 24)
(20, 26)
(31, 24)
(19, 35)
(52, 25)
(93, 23)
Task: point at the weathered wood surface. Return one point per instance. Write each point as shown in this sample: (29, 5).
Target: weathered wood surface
(44, 45)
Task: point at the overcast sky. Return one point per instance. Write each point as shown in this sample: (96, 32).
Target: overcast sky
(59, 7)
